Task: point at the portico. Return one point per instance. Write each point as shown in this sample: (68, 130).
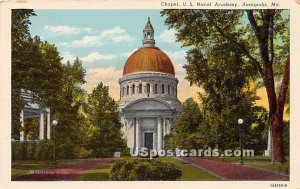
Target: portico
(33, 110)
(146, 122)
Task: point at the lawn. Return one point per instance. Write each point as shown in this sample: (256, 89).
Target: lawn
(21, 167)
(260, 162)
(98, 174)
(190, 172)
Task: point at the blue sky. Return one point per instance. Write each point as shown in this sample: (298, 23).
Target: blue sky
(103, 40)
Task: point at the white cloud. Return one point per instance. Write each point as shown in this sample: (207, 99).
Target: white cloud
(86, 41)
(127, 54)
(168, 36)
(184, 89)
(177, 57)
(114, 35)
(94, 56)
(67, 56)
(64, 30)
(108, 76)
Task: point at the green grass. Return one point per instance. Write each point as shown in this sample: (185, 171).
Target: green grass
(21, 167)
(190, 172)
(260, 162)
(98, 174)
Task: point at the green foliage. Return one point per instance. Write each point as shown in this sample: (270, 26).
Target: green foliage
(42, 150)
(186, 127)
(37, 66)
(22, 48)
(103, 128)
(145, 169)
(226, 60)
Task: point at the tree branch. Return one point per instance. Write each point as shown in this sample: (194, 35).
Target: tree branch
(240, 46)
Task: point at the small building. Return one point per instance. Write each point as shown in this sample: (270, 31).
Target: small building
(33, 109)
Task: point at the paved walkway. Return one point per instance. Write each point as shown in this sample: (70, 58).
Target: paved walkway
(232, 171)
(66, 171)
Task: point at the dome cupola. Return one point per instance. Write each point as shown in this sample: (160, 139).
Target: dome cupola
(148, 58)
(148, 35)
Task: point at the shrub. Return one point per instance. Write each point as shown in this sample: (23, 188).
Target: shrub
(44, 150)
(18, 151)
(145, 169)
(83, 153)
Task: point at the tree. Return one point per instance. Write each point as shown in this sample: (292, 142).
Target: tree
(21, 49)
(69, 110)
(260, 36)
(37, 66)
(104, 127)
(186, 127)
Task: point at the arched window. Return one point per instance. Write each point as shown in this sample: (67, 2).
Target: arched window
(127, 91)
(148, 88)
(155, 88)
(168, 89)
(140, 88)
(133, 89)
(163, 89)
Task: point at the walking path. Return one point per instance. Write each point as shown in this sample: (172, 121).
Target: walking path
(66, 171)
(231, 171)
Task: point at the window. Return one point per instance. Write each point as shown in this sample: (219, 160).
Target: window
(140, 88)
(172, 90)
(123, 91)
(127, 92)
(148, 88)
(163, 89)
(168, 89)
(155, 88)
(133, 89)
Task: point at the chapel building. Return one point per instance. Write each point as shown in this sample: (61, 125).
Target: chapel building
(148, 95)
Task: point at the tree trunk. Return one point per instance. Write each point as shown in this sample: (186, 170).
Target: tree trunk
(277, 135)
(277, 118)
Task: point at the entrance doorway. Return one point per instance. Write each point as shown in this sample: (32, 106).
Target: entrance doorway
(149, 140)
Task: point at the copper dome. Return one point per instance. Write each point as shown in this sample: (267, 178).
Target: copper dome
(148, 59)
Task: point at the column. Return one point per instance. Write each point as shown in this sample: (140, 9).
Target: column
(168, 126)
(155, 139)
(138, 135)
(159, 134)
(145, 88)
(48, 126)
(22, 133)
(41, 133)
(269, 150)
(164, 126)
(151, 88)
